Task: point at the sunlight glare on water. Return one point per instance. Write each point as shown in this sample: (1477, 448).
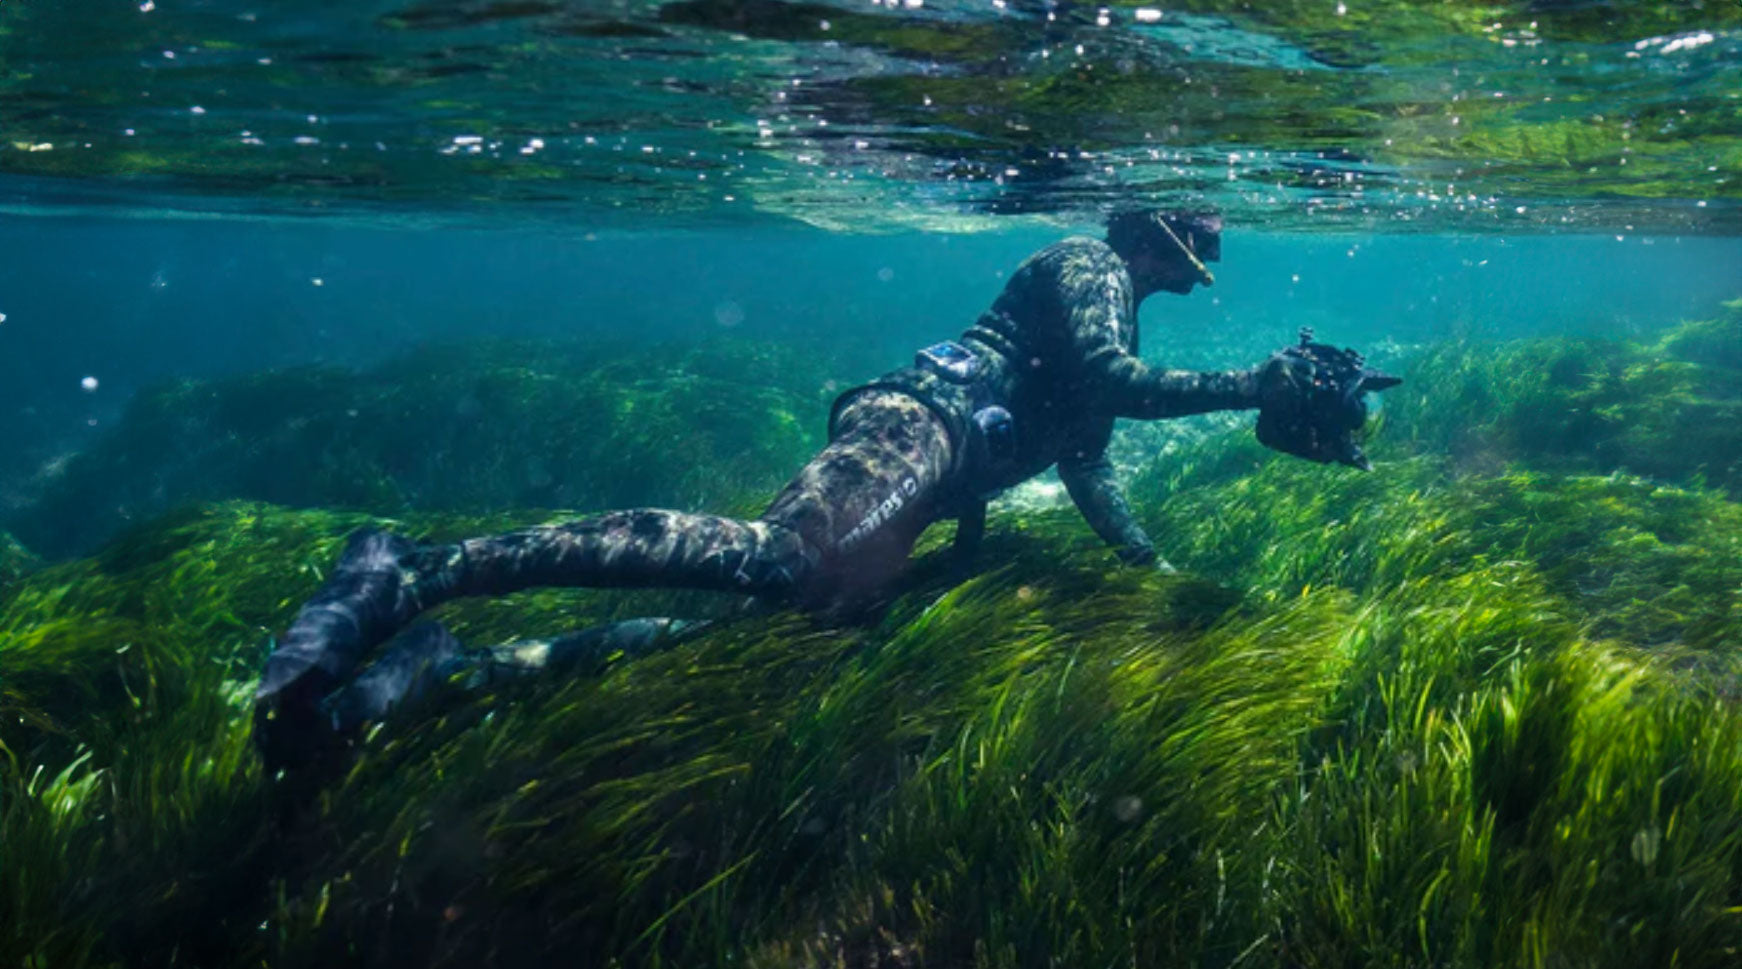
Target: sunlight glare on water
(1529, 115)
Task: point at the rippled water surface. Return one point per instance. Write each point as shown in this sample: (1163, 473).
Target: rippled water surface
(1559, 114)
(272, 273)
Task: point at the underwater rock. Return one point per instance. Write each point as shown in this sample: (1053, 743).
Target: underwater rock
(128, 683)
(1629, 559)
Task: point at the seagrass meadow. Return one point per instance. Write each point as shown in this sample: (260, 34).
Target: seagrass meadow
(1477, 708)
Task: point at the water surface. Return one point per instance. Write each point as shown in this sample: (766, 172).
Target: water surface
(1371, 114)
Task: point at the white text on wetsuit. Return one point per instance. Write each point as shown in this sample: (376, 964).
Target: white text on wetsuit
(880, 515)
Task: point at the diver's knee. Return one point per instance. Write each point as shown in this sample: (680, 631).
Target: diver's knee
(786, 563)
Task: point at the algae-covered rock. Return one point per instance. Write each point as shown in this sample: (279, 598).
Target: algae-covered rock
(1150, 748)
(165, 613)
(129, 797)
(475, 428)
(128, 683)
(1587, 460)
(133, 820)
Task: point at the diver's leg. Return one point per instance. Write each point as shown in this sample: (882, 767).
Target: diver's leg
(363, 602)
(885, 463)
(588, 652)
(427, 656)
(423, 656)
(308, 726)
(384, 581)
(841, 526)
(866, 498)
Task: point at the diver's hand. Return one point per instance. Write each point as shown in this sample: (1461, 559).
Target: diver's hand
(1281, 381)
(1312, 401)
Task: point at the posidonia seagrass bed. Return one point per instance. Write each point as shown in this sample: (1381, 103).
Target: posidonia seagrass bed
(1475, 709)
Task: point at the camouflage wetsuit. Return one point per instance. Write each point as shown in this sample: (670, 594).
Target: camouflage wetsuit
(1056, 351)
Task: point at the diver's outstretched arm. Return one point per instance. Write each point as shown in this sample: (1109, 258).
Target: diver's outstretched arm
(1101, 325)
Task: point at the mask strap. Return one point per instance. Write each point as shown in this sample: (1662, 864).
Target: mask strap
(1198, 264)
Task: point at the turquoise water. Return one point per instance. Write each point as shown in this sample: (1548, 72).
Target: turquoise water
(178, 175)
(276, 272)
(140, 302)
(137, 303)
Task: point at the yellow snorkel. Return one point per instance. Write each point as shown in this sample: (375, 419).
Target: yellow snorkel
(1209, 278)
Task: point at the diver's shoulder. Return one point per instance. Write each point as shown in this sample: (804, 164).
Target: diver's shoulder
(1079, 247)
(1078, 254)
(1075, 261)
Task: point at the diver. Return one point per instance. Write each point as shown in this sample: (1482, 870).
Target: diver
(1036, 382)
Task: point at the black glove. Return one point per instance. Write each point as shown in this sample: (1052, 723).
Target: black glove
(1312, 401)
